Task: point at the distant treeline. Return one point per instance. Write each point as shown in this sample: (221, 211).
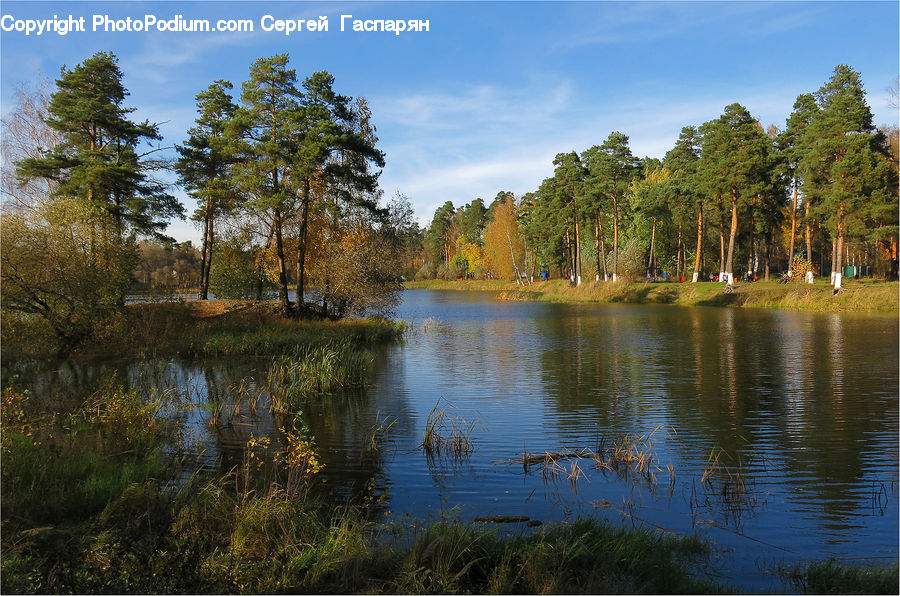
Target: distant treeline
(731, 197)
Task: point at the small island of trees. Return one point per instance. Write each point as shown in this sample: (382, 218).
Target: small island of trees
(285, 180)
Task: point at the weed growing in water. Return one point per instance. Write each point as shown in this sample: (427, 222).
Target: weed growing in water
(377, 432)
(446, 436)
(317, 369)
(724, 487)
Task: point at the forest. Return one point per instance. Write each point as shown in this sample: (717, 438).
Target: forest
(285, 179)
(285, 176)
(730, 198)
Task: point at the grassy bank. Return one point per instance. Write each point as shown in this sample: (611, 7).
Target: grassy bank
(204, 329)
(857, 296)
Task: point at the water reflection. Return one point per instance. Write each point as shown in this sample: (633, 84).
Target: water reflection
(800, 410)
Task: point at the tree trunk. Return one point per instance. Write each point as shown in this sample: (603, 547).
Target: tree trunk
(810, 276)
(834, 254)
(698, 257)
(210, 244)
(301, 247)
(839, 249)
(602, 247)
(203, 277)
(651, 262)
(722, 248)
(597, 243)
(729, 270)
(615, 273)
(577, 244)
(282, 264)
(793, 230)
(512, 255)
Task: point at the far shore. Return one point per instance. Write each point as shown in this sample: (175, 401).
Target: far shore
(856, 296)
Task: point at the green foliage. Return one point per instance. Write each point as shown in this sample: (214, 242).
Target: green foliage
(204, 167)
(97, 159)
(64, 264)
(831, 577)
(234, 271)
(841, 159)
(440, 238)
(632, 266)
(474, 219)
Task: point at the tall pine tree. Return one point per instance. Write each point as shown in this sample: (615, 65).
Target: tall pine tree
(204, 167)
(103, 156)
(842, 163)
(734, 158)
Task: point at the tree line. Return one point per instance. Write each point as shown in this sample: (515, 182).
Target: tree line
(729, 197)
(285, 178)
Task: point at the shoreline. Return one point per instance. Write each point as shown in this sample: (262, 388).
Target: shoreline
(875, 297)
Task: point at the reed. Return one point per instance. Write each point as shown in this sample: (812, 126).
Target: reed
(377, 432)
(315, 369)
(834, 577)
(447, 436)
(629, 455)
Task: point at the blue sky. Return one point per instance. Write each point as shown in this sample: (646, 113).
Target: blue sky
(484, 100)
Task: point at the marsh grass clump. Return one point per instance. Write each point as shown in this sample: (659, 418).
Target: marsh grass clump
(585, 556)
(265, 334)
(832, 577)
(315, 369)
(447, 436)
(630, 455)
(376, 433)
(724, 487)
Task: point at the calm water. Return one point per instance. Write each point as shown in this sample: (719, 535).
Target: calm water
(801, 410)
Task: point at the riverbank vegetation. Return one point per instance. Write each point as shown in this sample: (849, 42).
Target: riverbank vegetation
(816, 197)
(93, 504)
(285, 179)
(856, 296)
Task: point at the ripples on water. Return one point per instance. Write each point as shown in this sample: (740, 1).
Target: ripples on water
(801, 408)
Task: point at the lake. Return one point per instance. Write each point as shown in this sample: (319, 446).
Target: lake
(773, 433)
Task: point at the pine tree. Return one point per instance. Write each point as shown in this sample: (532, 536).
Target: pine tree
(791, 148)
(567, 185)
(842, 164)
(334, 153)
(98, 158)
(611, 167)
(266, 146)
(204, 166)
(734, 161)
(682, 160)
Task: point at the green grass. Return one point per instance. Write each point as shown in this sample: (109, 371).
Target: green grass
(486, 285)
(831, 577)
(311, 369)
(857, 295)
(206, 329)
